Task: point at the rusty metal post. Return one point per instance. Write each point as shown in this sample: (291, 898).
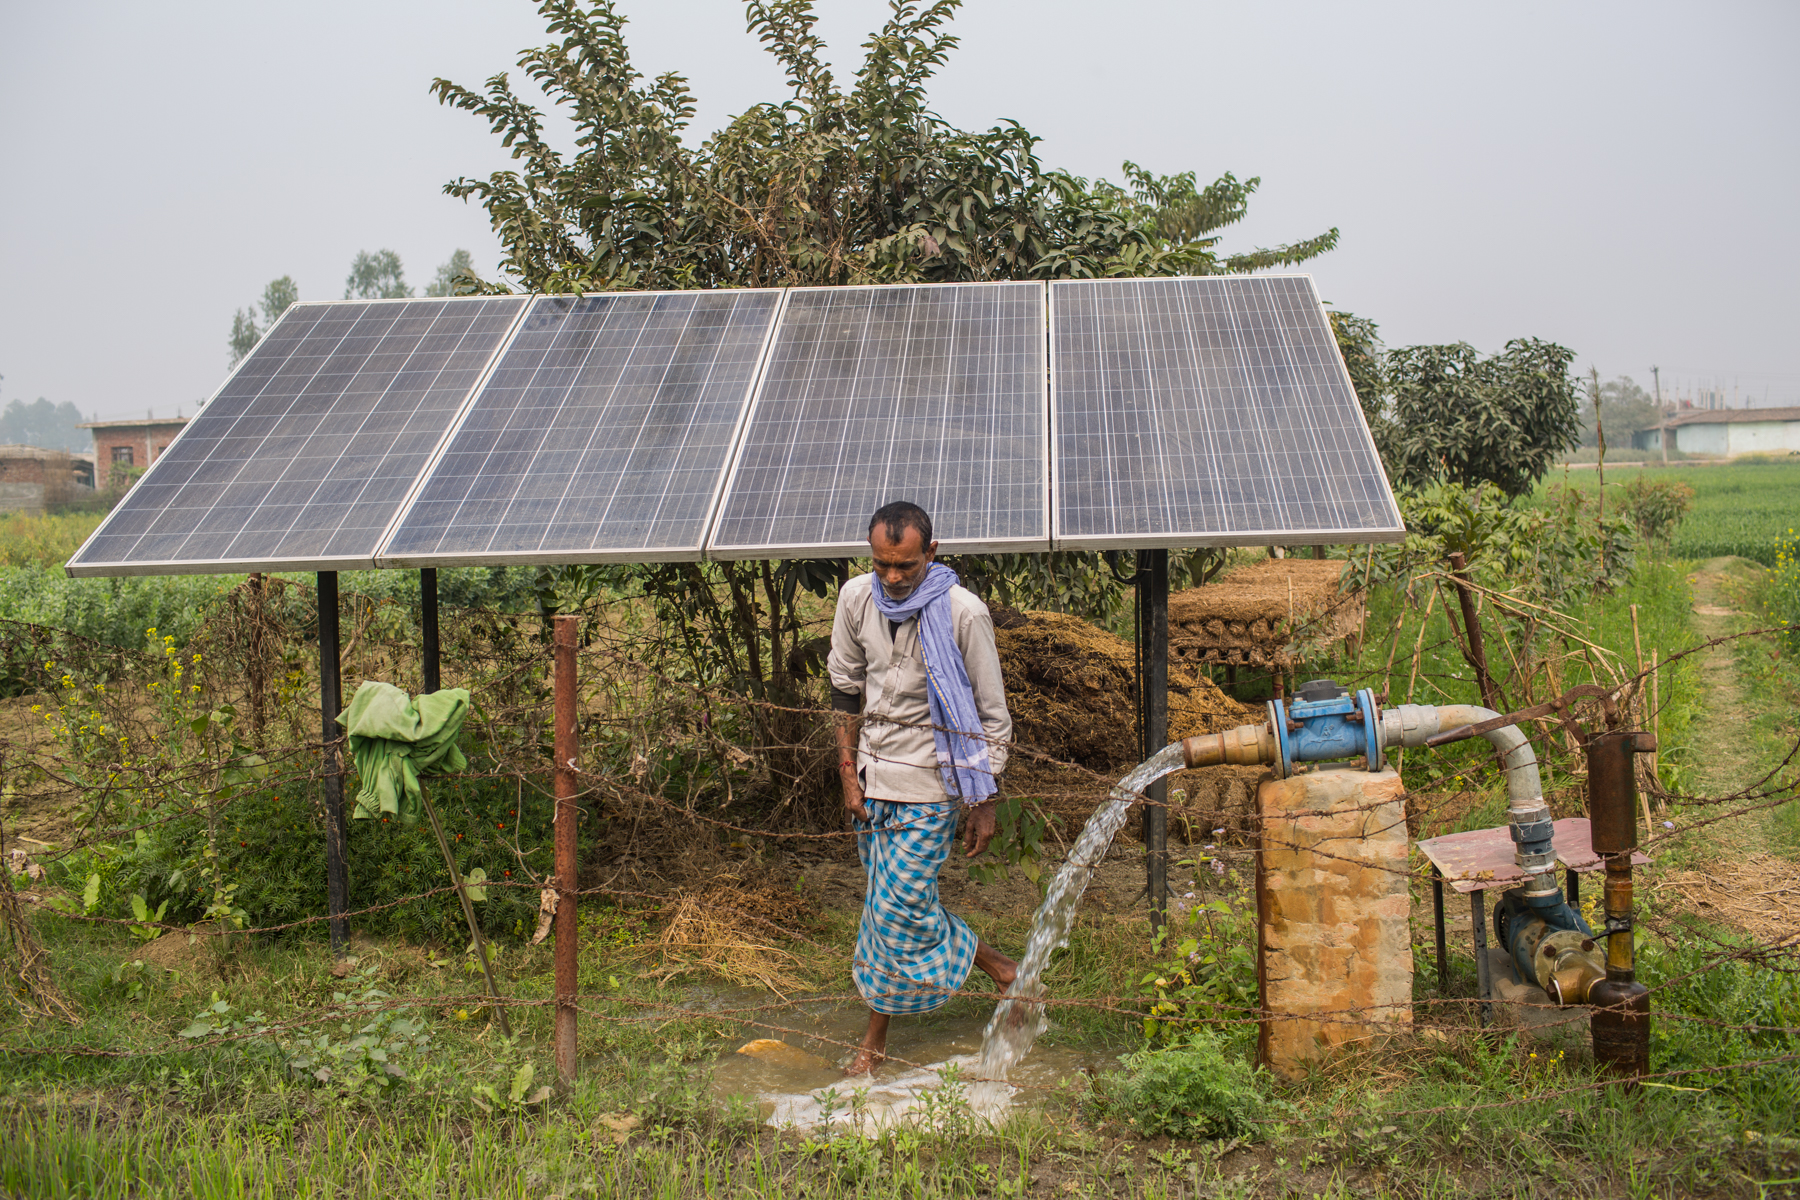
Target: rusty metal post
(1459, 575)
(1621, 1018)
(1153, 684)
(567, 931)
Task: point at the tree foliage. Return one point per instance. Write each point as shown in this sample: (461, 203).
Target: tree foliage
(276, 297)
(455, 275)
(1459, 416)
(1625, 408)
(41, 423)
(377, 276)
(827, 186)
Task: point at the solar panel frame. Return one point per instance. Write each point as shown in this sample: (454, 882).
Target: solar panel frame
(77, 568)
(1171, 539)
(858, 545)
(388, 556)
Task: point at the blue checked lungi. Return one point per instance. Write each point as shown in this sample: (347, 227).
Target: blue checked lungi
(911, 954)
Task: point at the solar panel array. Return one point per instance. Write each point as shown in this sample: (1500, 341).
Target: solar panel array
(310, 448)
(764, 423)
(929, 394)
(604, 431)
(1211, 411)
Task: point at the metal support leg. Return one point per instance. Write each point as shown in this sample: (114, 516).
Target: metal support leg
(1153, 640)
(1573, 891)
(428, 622)
(1478, 916)
(331, 700)
(1437, 909)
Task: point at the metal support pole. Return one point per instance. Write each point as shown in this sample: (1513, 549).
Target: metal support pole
(1153, 642)
(1437, 909)
(428, 622)
(331, 700)
(1484, 985)
(567, 810)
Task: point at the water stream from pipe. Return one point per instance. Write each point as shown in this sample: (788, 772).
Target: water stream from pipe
(1019, 1017)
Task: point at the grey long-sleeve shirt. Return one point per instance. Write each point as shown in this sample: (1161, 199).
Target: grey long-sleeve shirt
(896, 751)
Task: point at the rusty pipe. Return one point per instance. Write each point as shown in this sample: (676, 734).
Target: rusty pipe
(1247, 745)
(1621, 1022)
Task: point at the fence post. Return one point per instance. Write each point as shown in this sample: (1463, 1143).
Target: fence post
(567, 930)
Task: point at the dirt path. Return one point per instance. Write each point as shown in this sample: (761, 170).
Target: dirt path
(1729, 762)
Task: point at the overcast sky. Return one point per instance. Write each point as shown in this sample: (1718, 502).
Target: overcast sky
(1620, 178)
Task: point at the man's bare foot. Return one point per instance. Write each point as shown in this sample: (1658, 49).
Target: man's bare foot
(1001, 969)
(864, 1061)
(873, 1051)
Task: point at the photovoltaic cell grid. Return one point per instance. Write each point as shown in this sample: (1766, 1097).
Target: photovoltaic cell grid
(306, 454)
(934, 394)
(1207, 411)
(602, 433)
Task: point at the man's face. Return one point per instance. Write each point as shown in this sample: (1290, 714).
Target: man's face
(900, 565)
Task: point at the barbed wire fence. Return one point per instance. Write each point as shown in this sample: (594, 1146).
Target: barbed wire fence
(160, 754)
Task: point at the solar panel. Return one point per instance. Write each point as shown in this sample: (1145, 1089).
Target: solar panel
(306, 453)
(929, 393)
(602, 434)
(1211, 411)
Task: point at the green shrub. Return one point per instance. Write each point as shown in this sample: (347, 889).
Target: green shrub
(1195, 1089)
(271, 843)
(1781, 588)
(1657, 506)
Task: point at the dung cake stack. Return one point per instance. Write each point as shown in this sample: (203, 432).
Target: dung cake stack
(1272, 614)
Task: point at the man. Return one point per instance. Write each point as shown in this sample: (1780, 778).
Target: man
(922, 732)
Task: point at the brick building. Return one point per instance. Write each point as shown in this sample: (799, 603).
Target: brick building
(34, 480)
(131, 443)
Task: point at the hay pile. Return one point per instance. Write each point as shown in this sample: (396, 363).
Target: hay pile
(731, 930)
(1757, 894)
(1272, 614)
(1071, 688)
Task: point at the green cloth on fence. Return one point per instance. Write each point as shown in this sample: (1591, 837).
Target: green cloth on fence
(395, 738)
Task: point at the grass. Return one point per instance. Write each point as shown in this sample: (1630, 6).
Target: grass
(1740, 508)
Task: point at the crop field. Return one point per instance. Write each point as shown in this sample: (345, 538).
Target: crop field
(1743, 508)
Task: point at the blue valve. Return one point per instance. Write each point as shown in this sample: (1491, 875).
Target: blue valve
(1325, 723)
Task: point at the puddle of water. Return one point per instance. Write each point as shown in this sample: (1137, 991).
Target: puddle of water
(791, 1092)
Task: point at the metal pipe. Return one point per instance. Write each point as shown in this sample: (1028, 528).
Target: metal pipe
(567, 929)
(1621, 1022)
(1532, 827)
(331, 702)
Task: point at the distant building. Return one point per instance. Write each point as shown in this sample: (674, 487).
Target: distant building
(33, 479)
(1726, 432)
(131, 443)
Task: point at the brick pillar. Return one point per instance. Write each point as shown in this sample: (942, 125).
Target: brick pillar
(1333, 909)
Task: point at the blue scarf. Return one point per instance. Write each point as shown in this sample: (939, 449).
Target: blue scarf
(962, 751)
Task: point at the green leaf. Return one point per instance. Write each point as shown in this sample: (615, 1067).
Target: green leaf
(90, 895)
(198, 1029)
(472, 884)
(521, 1082)
(140, 909)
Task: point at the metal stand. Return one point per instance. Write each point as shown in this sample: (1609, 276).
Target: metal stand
(1478, 915)
(331, 701)
(1153, 719)
(428, 621)
(1437, 908)
(567, 750)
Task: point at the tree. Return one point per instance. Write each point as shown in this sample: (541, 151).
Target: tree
(276, 298)
(1359, 341)
(1625, 408)
(41, 423)
(827, 186)
(1465, 418)
(377, 276)
(457, 273)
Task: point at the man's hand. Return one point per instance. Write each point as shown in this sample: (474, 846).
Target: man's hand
(978, 830)
(853, 793)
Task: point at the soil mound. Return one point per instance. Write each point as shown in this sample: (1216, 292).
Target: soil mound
(1071, 688)
(1273, 613)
